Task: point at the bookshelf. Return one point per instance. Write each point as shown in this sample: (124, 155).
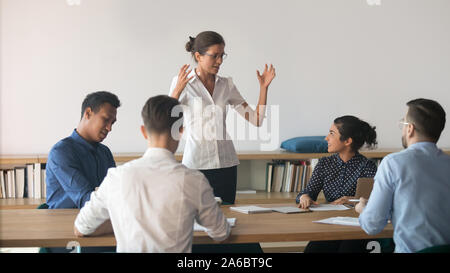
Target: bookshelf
(242, 155)
(251, 171)
(20, 203)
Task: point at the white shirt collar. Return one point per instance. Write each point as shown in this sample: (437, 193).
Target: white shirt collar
(197, 78)
(158, 152)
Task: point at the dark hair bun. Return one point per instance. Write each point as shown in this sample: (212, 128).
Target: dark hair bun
(360, 131)
(371, 136)
(190, 44)
(202, 42)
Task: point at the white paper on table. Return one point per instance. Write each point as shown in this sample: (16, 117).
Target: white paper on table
(289, 210)
(197, 227)
(346, 221)
(250, 209)
(327, 207)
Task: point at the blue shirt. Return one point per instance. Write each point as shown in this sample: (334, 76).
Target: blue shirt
(338, 178)
(412, 189)
(74, 169)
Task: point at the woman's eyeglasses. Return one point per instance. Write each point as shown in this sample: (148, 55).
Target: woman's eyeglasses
(223, 56)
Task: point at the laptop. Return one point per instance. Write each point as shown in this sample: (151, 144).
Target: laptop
(364, 187)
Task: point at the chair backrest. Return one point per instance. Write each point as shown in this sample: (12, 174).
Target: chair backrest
(436, 249)
(364, 187)
(43, 206)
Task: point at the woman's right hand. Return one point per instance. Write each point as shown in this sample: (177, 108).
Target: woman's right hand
(306, 201)
(182, 80)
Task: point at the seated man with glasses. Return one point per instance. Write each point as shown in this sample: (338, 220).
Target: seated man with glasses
(412, 187)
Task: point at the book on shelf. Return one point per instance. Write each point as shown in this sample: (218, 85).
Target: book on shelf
(269, 172)
(278, 177)
(20, 182)
(11, 185)
(26, 181)
(2, 184)
(30, 180)
(303, 176)
(288, 176)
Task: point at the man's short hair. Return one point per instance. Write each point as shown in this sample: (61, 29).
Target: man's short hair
(160, 113)
(96, 99)
(428, 117)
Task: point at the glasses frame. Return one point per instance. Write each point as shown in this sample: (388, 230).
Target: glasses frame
(402, 123)
(215, 56)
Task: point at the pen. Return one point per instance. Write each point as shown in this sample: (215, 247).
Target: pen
(353, 200)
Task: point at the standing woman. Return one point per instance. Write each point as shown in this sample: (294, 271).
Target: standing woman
(205, 96)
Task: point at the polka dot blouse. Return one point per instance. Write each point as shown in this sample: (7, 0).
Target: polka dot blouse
(338, 178)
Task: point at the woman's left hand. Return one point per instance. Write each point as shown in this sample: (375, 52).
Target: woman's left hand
(267, 76)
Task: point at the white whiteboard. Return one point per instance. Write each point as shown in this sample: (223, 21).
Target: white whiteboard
(332, 57)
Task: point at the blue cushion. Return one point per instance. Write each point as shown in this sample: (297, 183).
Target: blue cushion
(306, 144)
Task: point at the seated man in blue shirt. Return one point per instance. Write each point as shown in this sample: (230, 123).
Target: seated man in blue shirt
(412, 187)
(77, 164)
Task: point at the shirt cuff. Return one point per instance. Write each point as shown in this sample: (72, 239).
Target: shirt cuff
(221, 235)
(81, 227)
(369, 226)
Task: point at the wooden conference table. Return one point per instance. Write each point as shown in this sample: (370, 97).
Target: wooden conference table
(54, 228)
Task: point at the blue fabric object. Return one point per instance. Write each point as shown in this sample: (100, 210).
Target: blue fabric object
(74, 169)
(306, 144)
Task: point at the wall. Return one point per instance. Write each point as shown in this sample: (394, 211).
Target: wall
(331, 57)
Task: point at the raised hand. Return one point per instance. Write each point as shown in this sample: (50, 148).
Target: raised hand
(182, 79)
(267, 76)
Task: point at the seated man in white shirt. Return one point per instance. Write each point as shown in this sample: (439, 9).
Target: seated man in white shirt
(152, 201)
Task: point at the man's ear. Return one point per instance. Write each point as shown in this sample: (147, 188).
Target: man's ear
(88, 113)
(144, 132)
(410, 130)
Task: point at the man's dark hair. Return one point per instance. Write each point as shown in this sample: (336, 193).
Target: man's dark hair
(160, 113)
(96, 99)
(428, 117)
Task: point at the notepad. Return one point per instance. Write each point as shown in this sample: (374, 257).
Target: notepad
(251, 209)
(290, 210)
(346, 221)
(327, 207)
(197, 227)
